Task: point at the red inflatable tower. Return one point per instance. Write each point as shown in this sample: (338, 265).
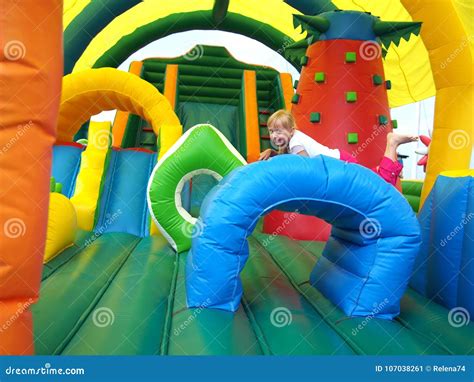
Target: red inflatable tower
(341, 97)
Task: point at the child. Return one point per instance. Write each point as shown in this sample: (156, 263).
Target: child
(285, 136)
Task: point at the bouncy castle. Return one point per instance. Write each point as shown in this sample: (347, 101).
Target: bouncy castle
(161, 233)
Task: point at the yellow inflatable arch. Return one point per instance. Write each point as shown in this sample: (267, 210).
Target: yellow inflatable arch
(451, 52)
(437, 63)
(406, 65)
(89, 92)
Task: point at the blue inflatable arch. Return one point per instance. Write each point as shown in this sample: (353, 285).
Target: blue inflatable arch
(367, 261)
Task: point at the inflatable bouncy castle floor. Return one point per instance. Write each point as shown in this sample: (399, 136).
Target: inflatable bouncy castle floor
(120, 291)
(161, 233)
(126, 295)
(143, 285)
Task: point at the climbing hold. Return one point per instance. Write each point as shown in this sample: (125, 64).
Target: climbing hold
(55, 186)
(315, 117)
(352, 138)
(320, 77)
(351, 57)
(383, 120)
(351, 97)
(377, 80)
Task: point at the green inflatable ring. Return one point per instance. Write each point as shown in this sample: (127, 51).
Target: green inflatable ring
(201, 150)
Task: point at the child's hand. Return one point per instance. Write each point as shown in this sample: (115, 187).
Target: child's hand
(264, 155)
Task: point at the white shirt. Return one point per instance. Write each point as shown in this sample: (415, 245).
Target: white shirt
(300, 141)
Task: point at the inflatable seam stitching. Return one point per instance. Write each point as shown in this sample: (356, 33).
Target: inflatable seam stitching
(262, 342)
(348, 340)
(76, 251)
(144, 221)
(109, 188)
(164, 347)
(72, 187)
(95, 300)
(459, 265)
(367, 278)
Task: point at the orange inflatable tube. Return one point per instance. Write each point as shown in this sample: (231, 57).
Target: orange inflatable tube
(121, 118)
(30, 86)
(251, 115)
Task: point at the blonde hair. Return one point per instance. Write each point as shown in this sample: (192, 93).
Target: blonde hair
(285, 118)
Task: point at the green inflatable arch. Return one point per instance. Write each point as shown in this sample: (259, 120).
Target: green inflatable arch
(201, 150)
(110, 41)
(87, 24)
(183, 22)
(81, 31)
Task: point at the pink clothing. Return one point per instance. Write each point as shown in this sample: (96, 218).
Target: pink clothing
(388, 169)
(346, 157)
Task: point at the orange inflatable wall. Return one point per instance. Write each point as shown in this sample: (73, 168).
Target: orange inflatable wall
(30, 86)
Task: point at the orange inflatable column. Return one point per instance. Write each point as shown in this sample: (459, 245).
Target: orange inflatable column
(121, 118)
(30, 85)
(171, 84)
(251, 115)
(287, 89)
